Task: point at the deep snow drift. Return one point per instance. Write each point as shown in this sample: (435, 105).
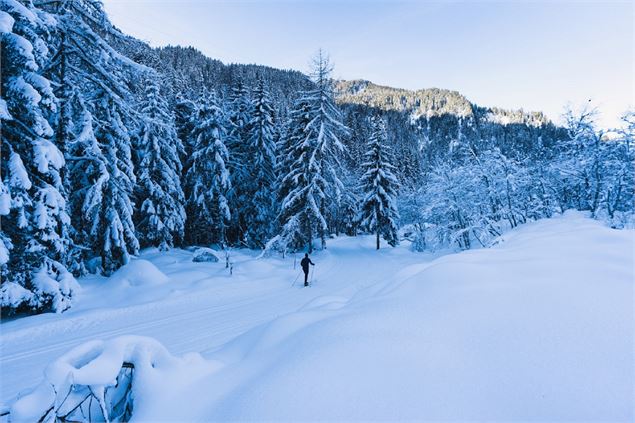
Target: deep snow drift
(539, 327)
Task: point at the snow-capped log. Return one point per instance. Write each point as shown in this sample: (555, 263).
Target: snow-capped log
(96, 381)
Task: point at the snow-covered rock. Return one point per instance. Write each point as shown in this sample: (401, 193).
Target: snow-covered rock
(205, 255)
(138, 272)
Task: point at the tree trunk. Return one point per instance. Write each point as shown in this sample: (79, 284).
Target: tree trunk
(377, 221)
(310, 242)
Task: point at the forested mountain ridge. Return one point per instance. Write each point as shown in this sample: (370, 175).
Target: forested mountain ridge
(423, 102)
(423, 125)
(437, 120)
(429, 102)
(191, 70)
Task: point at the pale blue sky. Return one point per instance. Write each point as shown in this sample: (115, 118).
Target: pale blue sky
(538, 55)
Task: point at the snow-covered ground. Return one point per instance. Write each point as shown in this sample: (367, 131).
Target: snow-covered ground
(539, 327)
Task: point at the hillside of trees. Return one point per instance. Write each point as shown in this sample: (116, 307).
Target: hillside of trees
(110, 146)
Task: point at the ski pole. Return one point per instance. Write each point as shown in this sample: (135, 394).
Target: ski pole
(312, 274)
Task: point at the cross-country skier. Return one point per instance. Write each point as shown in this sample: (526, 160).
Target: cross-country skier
(305, 267)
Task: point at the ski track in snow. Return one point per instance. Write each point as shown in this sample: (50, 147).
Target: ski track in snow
(200, 314)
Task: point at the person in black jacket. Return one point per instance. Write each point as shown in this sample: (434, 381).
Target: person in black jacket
(305, 267)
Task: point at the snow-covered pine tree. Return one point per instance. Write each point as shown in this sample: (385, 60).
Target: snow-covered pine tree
(259, 213)
(284, 158)
(5, 209)
(346, 220)
(239, 113)
(107, 207)
(301, 187)
(161, 220)
(312, 178)
(31, 195)
(284, 153)
(378, 212)
(82, 61)
(184, 110)
(91, 79)
(87, 168)
(208, 178)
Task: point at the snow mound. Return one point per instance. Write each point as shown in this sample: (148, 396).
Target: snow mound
(138, 273)
(326, 302)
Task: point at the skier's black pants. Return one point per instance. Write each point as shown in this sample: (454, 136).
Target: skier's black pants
(306, 276)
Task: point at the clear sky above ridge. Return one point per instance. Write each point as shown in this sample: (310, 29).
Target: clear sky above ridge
(536, 55)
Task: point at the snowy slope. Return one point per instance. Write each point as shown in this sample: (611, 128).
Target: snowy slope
(199, 309)
(539, 327)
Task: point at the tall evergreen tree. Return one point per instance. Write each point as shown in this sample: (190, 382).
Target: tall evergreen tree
(284, 153)
(92, 83)
(208, 178)
(161, 220)
(379, 184)
(239, 114)
(259, 212)
(346, 218)
(107, 206)
(301, 187)
(312, 180)
(32, 195)
(184, 110)
(83, 62)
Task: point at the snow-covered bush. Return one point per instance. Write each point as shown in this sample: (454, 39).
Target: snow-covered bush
(277, 244)
(13, 296)
(55, 287)
(479, 192)
(96, 381)
(52, 288)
